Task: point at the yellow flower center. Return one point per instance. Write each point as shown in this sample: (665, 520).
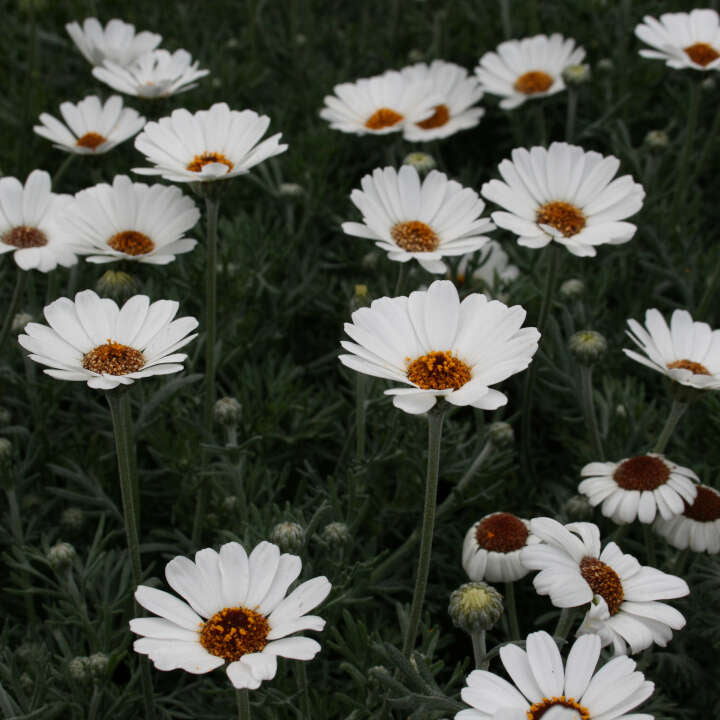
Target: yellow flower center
(566, 218)
(501, 532)
(131, 242)
(641, 473)
(701, 53)
(113, 358)
(414, 236)
(533, 82)
(603, 581)
(200, 161)
(383, 118)
(437, 119)
(90, 140)
(234, 632)
(538, 709)
(23, 237)
(693, 367)
(438, 370)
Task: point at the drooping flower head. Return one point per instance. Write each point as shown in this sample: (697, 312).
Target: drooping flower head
(214, 144)
(32, 223)
(422, 221)
(441, 347)
(92, 340)
(566, 195)
(91, 128)
(235, 612)
(698, 525)
(526, 69)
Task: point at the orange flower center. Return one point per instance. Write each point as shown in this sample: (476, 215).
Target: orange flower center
(701, 53)
(23, 237)
(234, 632)
(706, 507)
(131, 242)
(641, 473)
(91, 140)
(200, 161)
(438, 370)
(603, 581)
(414, 236)
(437, 119)
(383, 118)
(538, 709)
(563, 216)
(693, 367)
(501, 532)
(533, 82)
(113, 358)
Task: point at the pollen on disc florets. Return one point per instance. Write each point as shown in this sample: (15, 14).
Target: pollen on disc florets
(563, 216)
(234, 632)
(414, 236)
(113, 358)
(533, 82)
(383, 118)
(603, 581)
(701, 53)
(131, 242)
(501, 532)
(24, 236)
(641, 473)
(706, 506)
(694, 367)
(90, 140)
(438, 370)
(200, 161)
(538, 709)
(440, 117)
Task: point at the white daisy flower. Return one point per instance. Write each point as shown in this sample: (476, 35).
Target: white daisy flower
(440, 347)
(698, 525)
(155, 74)
(520, 70)
(132, 221)
(214, 144)
(117, 41)
(687, 352)
(638, 488)
(683, 40)
(492, 267)
(622, 593)
(425, 221)
(567, 195)
(236, 611)
(94, 341)
(382, 104)
(32, 223)
(92, 127)
(491, 550)
(459, 92)
(542, 688)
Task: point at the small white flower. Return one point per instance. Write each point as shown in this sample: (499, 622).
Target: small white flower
(132, 221)
(236, 610)
(638, 488)
(214, 144)
(521, 70)
(543, 688)
(117, 41)
(378, 105)
(622, 593)
(32, 223)
(92, 128)
(697, 526)
(422, 221)
(93, 340)
(687, 352)
(492, 268)
(459, 92)
(567, 195)
(155, 74)
(683, 40)
(441, 347)
(491, 550)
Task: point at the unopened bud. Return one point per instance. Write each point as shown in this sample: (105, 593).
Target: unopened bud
(228, 411)
(416, 55)
(578, 508)
(290, 190)
(605, 64)
(708, 84)
(72, 518)
(229, 503)
(116, 284)
(6, 452)
(576, 74)
(572, 289)
(289, 536)
(98, 664)
(657, 139)
(20, 320)
(60, 555)
(475, 606)
(360, 298)
(26, 682)
(5, 416)
(79, 668)
(336, 533)
(422, 162)
(587, 346)
(501, 434)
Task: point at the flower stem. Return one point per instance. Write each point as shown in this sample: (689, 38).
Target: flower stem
(649, 538)
(676, 412)
(302, 683)
(20, 277)
(435, 423)
(64, 165)
(505, 18)
(572, 103)
(511, 610)
(588, 407)
(682, 169)
(479, 650)
(361, 382)
(400, 280)
(242, 698)
(564, 623)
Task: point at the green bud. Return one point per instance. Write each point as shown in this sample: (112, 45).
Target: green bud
(501, 434)
(60, 555)
(289, 536)
(572, 289)
(422, 162)
(98, 664)
(116, 284)
(587, 346)
(336, 533)
(475, 606)
(578, 508)
(290, 190)
(228, 411)
(73, 518)
(657, 139)
(577, 74)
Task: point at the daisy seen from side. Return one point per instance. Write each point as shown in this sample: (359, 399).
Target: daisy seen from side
(566, 195)
(698, 525)
(235, 611)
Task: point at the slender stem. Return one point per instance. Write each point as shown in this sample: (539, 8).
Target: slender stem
(588, 407)
(479, 650)
(242, 698)
(505, 18)
(360, 412)
(564, 623)
(20, 277)
(541, 126)
(681, 562)
(19, 539)
(572, 103)
(710, 291)
(511, 611)
(400, 280)
(649, 538)
(435, 423)
(676, 412)
(64, 165)
(682, 178)
(302, 683)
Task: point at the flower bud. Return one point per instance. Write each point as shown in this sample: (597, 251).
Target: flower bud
(708, 84)
(587, 346)
(336, 533)
(572, 289)
(229, 503)
(290, 190)
(79, 668)
(657, 139)
(289, 536)
(98, 664)
(19, 321)
(5, 416)
(578, 508)
(501, 434)
(360, 298)
(60, 555)
(228, 411)
(422, 162)
(605, 64)
(6, 452)
(475, 606)
(576, 74)
(26, 682)
(116, 284)
(416, 55)
(72, 518)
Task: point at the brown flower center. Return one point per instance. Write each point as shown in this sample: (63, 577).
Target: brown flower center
(113, 358)
(706, 507)
(641, 473)
(603, 581)
(383, 118)
(438, 370)
(131, 242)
(437, 119)
(701, 53)
(23, 237)
(414, 236)
(501, 532)
(91, 140)
(538, 709)
(200, 161)
(234, 632)
(693, 367)
(533, 82)
(563, 216)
